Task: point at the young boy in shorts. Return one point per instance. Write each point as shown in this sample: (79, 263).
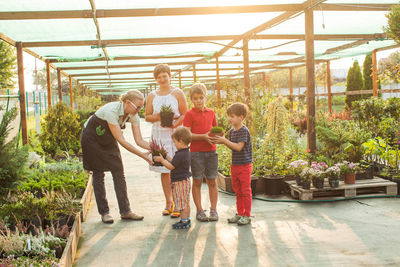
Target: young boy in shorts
(180, 175)
(239, 141)
(199, 120)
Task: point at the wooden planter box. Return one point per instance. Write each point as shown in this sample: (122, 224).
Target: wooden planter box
(68, 256)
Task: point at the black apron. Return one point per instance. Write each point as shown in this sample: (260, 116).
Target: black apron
(100, 148)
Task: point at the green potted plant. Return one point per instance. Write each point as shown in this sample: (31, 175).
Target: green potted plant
(306, 176)
(157, 150)
(333, 174)
(296, 167)
(348, 169)
(216, 131)
(319, 178)
(166, 115)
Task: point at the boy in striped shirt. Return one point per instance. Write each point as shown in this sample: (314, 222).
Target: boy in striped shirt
(239, 141)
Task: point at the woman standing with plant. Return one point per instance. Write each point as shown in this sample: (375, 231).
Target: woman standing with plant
(100, 137)
(166, 98)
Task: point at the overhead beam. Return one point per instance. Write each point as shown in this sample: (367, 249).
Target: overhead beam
(192, 39)
(145, 12)
(345, 46)
(126, 58)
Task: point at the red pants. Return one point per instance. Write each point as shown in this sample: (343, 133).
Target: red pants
(241, 180)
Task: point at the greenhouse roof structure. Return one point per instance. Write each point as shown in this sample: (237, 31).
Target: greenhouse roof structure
(114, 45)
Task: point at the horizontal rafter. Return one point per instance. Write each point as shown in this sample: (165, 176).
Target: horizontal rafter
(145, 12)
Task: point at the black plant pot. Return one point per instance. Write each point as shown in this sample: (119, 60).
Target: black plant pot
(253, 185)
(334, 183)
(59, 250)
(298, 180)
(156, 163)
(273, 185)
(397, 181)
(306, 185)
(166, 119)
(319, 183)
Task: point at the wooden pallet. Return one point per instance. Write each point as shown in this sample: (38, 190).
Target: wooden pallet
(375, 186)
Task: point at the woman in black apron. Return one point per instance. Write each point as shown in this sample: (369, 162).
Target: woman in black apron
(99, 141)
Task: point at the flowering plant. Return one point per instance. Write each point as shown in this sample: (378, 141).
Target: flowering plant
(157, 149)
(307, 174)
(347, 167)
(297, 166)
(320, 166)
(320, 174)
(333, 172)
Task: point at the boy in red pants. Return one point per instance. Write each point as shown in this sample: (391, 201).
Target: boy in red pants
(239, 141)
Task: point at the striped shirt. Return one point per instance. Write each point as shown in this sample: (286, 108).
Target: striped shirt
(245, 155)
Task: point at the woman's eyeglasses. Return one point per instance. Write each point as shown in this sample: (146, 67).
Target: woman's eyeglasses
(135, 107)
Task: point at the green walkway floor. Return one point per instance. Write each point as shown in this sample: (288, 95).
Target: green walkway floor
(346, 233)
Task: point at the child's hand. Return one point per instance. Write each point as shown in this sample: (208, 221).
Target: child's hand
(158, 158)
(219, 139)
(208, 139)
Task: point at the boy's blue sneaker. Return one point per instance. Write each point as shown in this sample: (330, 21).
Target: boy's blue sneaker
(182, 225)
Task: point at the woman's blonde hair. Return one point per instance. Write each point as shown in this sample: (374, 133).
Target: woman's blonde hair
(132, 94)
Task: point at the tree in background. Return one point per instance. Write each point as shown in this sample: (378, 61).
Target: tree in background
(367, 74)
(393, 28)
(389, 68)
(354, 82)
(8, 63)
(42, 80)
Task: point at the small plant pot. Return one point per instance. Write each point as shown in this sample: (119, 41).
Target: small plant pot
(364, 175)
(350, 178)
(306, 185)
(334, 183)
(319, 183)
(156, 163)
(166, 119)
(215, 134)
(298, 180)
(253, 185)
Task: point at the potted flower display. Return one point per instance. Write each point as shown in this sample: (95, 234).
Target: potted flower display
(333, 174)
(296, 167)
(216, 131)
(157, 150)
(306, 175)
(319, 175)
(348, 169)
(166, 115)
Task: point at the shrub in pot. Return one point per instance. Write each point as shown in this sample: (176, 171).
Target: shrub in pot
(319, 178)
(348, 169)
(296, 167)
(306, 175)
(166, 115)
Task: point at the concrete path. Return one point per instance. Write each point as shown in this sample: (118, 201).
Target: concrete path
(346, 233)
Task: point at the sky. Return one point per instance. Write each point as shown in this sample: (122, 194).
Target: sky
(345, 63)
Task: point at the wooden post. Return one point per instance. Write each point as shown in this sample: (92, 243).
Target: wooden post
(310, 80)
(48, 83)
(374, 74)
(22, 99)
(218, 82)
(194, 73)
(59, 85)
(180, 79)
(291, 87)
(246, 71)
(70, 92)
(328, 83)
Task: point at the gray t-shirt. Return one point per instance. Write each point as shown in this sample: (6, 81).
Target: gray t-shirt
(113, 113)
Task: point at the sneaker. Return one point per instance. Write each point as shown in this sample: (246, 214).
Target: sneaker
(234, 219)
(131, 216)
(182, 225)
(213, 216)
(244, 220)
(201, 216)
(106, 218)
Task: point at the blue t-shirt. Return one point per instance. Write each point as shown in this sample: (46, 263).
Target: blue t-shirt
(245, 156)
(181, 162)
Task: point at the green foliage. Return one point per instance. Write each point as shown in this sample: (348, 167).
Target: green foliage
(25, 261)
(393, 28)
(166, 109)
(224, 160)
(60, 130)
(354, 82)
(277, 122)
(83, 116)
(8, 63)
(88, 103)
(216, 129)
(12, 159)
(367, 74)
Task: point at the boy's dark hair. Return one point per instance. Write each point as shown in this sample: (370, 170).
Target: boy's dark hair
(182, 134)
(198, 88)
(161, 68)
(238, 109)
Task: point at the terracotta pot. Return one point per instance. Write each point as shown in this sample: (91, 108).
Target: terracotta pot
(350, 178)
